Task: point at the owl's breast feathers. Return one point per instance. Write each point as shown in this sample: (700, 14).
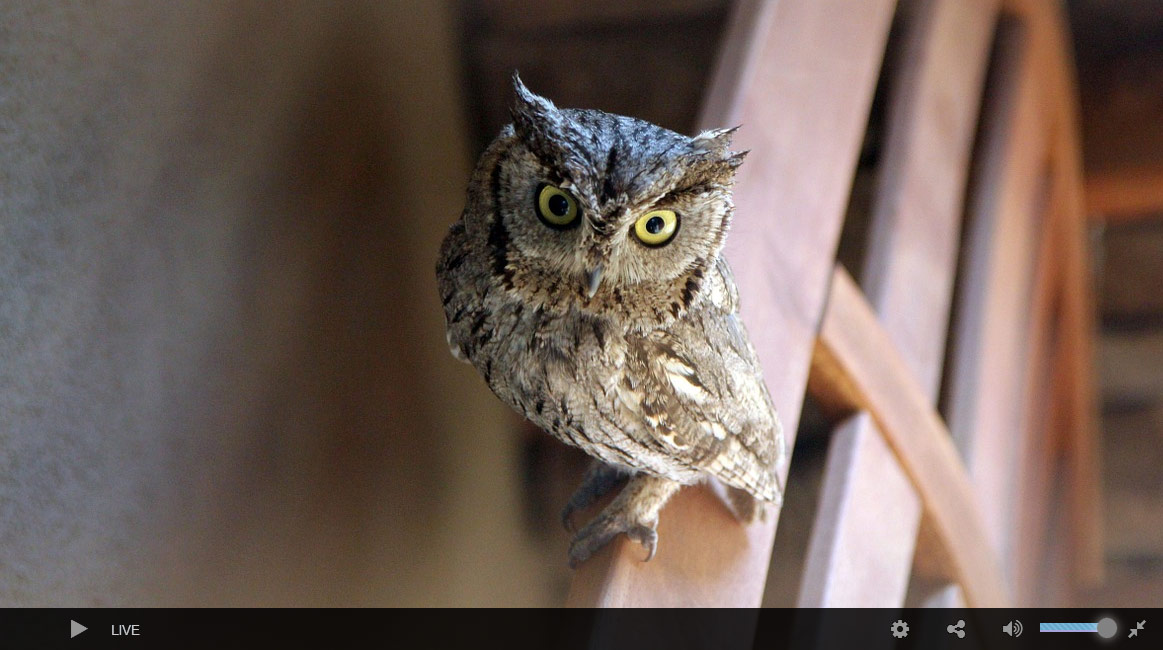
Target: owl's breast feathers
(678, 401)
(700, 392)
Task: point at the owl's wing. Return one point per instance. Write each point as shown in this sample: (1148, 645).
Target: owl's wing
(700, 391)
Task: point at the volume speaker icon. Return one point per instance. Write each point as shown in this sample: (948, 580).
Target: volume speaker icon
(1013, 628)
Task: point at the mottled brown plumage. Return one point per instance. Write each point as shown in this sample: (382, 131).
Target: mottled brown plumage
(584, 282)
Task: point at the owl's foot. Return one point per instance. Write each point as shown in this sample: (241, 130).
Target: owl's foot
(634, 513)
(597, 483)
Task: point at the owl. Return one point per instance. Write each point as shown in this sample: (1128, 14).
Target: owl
(585, 283)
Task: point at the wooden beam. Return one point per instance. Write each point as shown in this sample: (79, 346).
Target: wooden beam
(861, 547)
(916, 221)
(1035, 457)
(1120, 196)
(873, 377)
(908, 277)
(1083, 448)
(804, 108)
(1048, 28)
(1057, 586)
(987, 374)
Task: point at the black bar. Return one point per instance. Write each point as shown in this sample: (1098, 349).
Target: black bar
(864, 629)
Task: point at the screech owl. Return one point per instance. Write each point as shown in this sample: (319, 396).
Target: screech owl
(584, 282)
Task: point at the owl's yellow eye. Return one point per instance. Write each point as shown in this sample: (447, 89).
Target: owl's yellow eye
(556, 208)
(656, 228)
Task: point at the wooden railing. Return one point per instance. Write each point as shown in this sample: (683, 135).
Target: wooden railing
(978, 213)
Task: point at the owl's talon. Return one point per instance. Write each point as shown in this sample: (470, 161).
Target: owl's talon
(598, 481)
(603, 530)
(634, 513)
(579, 501)
(647, 537)
(567, 518)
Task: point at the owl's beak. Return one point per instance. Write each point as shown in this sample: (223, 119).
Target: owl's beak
(593, 279)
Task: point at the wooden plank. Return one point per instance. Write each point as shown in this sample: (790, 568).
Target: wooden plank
(1083, 450)
(987, 374)
(1035, 456)
(916, 221)
(857, 361)
(862, 544)
(1119, 196)
(804, 108)
(1057, 588)
(1049, 30)
(932, 582)
(1119, 103)
(908, 277)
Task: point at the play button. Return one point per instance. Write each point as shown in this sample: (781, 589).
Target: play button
(75, 628)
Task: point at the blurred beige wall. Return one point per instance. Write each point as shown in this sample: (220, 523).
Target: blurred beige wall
(223, 375)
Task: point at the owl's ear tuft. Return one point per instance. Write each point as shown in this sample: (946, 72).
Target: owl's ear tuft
(711, 155)
(718, 166)
(722, 169)
(529, 109)
(735, 160)
(715, 141)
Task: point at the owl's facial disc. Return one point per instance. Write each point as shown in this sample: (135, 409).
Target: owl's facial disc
(593, 202)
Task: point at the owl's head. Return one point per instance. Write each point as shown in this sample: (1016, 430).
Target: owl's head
(584, 203)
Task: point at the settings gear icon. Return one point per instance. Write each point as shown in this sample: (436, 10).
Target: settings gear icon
(900, 629)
